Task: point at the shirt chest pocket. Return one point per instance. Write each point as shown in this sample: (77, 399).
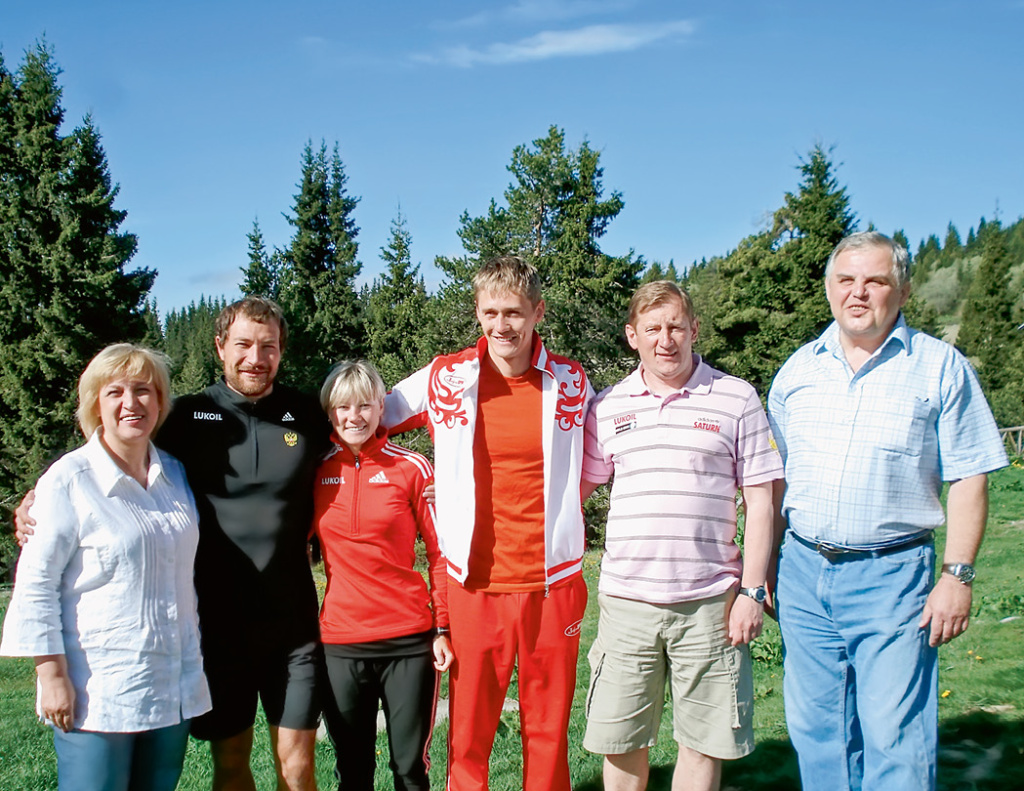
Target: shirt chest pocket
(903, 425)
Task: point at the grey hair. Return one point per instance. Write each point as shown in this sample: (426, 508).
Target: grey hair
(900, 259)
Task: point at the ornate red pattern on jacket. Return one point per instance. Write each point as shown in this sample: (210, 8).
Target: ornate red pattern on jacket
(445, 396)
(572, 394)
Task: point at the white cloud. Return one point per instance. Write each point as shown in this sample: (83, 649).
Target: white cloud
(584, 41)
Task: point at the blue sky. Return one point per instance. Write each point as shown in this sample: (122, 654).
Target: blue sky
(701, 111)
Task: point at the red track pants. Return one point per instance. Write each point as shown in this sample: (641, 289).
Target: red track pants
(489, 631)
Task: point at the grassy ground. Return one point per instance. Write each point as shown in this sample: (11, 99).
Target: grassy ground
(981, 711)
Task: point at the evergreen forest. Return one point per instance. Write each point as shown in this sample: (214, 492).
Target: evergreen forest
(68, 287)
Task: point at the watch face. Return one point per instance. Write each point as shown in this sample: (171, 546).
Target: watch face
(757, 594)
(964, 572)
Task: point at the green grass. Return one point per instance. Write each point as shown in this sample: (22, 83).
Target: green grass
(981, 719)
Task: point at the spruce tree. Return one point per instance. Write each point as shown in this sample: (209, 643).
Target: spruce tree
(153, 336)
(928, 257)
(918, 312)
(769, 297)
(189, 342)
(318, 291)
(397, 306)
(953, 247)
(261, 277)
(1008, 401)
(338, 322)
(65, 291)
(987, 331)
(807, 229)
(750, 323)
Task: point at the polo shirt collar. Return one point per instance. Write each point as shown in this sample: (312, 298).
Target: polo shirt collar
(699, 382)
(108, 474)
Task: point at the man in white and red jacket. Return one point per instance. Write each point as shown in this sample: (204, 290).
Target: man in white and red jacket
(507, 418)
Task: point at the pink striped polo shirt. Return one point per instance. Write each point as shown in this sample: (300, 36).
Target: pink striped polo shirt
(678, 461)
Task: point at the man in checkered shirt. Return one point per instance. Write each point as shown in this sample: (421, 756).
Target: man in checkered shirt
(871, 418)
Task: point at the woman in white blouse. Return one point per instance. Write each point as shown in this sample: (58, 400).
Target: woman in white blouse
(103, 597)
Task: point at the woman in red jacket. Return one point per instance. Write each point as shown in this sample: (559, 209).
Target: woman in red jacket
(385, 637)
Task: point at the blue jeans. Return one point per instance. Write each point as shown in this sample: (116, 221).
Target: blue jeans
(861, 681)
(143, 761)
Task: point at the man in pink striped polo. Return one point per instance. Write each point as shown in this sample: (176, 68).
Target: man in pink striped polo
(678, 602)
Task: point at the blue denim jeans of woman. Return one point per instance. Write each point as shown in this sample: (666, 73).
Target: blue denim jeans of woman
(861, 681)
(143, 761)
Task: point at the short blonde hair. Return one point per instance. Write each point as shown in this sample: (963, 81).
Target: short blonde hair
(658, 292)
(349, 382)
(121, 360)
(508, 274)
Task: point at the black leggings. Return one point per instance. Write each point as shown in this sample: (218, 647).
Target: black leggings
(407, 686)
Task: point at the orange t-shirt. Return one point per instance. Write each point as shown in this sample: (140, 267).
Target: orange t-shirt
(507, 555)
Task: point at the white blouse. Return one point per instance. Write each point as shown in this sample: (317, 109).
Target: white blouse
(107, 581)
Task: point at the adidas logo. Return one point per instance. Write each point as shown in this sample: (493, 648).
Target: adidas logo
(380, 477)
(287, 416)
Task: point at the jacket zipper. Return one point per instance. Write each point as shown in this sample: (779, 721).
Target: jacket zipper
(355, 499)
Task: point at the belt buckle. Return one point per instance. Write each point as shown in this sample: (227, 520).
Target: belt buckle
(830, 552)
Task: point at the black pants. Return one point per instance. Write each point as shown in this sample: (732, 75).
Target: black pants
(407, 688)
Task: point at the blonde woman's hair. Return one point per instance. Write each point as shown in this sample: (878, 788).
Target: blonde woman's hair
(351, 381)
(121, 360)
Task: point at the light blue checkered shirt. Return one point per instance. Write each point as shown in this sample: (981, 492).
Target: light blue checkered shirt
(865, 454)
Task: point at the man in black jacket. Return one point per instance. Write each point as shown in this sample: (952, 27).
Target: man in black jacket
(250, 448)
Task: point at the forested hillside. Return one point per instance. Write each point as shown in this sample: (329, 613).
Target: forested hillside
(66, 288)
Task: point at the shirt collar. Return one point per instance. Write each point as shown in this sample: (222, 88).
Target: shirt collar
(828, 341)
(699, 382)
(109, 474)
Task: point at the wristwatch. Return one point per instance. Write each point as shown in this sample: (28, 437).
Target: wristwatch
(962, 571)
(758, 594)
